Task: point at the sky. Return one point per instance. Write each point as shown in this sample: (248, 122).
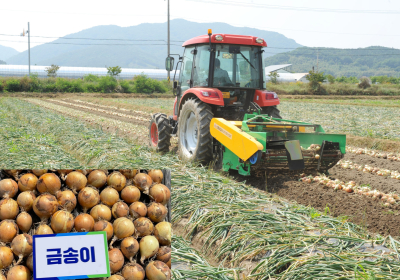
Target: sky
(313, 23)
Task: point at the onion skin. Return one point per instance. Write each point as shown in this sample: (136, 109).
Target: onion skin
(143, 227)
(116, 260)
(116, 180)
(64, 172)
(22, 246)
(129, 247)
(25, 200)
(137, 209)
(109, 196)
(19, 272)
(8, 209)
(130, 194)
(129, 173)
(164, 255)
(97, 179)
(24, 221)
(39, 172)
(6, 257)
(13, 172)
(163, 233)
(76, 181)
(62, 221)
(67, 200)
(27, 182)
(156, 175)
(143, 182)
(43, 229)
(101, 212)
(104, 226)
(8, 188)
(123, 227)
(148, 247)
(8, 230)
(88, 197)
(29, 262)
(84, 223)
(133, 272)
(120, 209)
(157, 270)
(160, 193)
(49, 183)
(157, 212)
(45, 205)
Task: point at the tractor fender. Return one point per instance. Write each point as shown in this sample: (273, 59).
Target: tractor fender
(265, 98)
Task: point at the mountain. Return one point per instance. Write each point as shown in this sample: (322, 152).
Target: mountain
(2, 62)
(7, 52)
(137, 54)
(371, 61)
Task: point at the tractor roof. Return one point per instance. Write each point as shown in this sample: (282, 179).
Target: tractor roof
(227, 39)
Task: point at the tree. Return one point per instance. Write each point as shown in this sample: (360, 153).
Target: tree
(273, 76)
(114, 71)
(315, 79)
(330, 79)
(52, 70)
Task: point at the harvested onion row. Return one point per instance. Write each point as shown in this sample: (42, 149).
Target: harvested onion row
(347, 164)
(373, 153)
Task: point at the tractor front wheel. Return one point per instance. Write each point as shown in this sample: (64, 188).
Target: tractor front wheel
(272, 111)
(195, 140)
(159, 133)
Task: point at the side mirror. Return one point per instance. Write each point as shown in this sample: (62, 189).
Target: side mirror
(175, 84)
(169, 63)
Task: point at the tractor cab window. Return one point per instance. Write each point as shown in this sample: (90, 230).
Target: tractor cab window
(201, 66)
(186, 70)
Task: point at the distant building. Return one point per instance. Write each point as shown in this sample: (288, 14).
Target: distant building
(284, 74)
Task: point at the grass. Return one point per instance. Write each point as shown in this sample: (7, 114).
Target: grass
(355, 102)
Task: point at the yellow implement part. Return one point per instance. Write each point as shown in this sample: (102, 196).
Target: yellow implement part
(273, 127)
(240, 143)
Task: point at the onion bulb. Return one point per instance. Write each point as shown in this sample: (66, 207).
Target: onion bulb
(138, 209)
(45, 205)
(164, 255)
(157, 270)
(27, 182)
(143, 182)
(130, 194)
(19, 272)
(317, 156)
(8, 209)
(109, 196)
(22, 246)
(97, 179)
(160, 193)
(123, 227)
(39, 172)
(116, 180)
(88, 197)
(8, 230)
(64, 172)
(84, 223)
(76, 181)
(163, 232)
(67, 200)
(115, 277)
(8, 188)
(6, 257)
(29, 262)
(49, 183)
(156, 175)
(157, 212)
(116, 260)
(43, 229)
(104, 226)
(148, 247)
(13, 172)
(101, 212)
(24, 221)
(120, 209)
(129, 247)
(128, 173)
(143, 227)
(25, 200)
(62, 221)
(133, 272)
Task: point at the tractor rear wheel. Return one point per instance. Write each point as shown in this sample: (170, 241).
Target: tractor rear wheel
(272, 111)
(159, 133)
(195, 140)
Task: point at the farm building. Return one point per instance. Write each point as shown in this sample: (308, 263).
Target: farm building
(284, 74)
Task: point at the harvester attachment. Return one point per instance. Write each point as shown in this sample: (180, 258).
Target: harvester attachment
(260, 142)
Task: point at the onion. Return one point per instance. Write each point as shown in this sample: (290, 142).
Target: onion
(45, 205)
(128, 173)
(129, 247)
(97, 179)
(39, 172)
(148, 247)
(143, 182)
(8, 230)
(76, 181)
(138, 209)
(22, 246)
(13, 172)
(101, 212)
(163, 232)
(24, 221)
(19, 272)
(67, 200)
(130, 194)
(27, 182)
(49, 183)
(157, 212)
(64, 172)
(62, 221)
(29, 262)
(143, 227)
(317, 156)
(116, 260)
(116, 180)
(164, 255)
(84, 223)
(43, 229)
(156, 175)
(8, 209)
(157, 270)
(6, 257)
(25, 200)
(133, 272)
(8, 188)
(84, 171)
(104, 226)
(88, 197)
(123, 227)
(160, 193)
(109, 196)
(115, 277)
(120, 209)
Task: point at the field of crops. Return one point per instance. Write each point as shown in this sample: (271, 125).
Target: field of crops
(231, 229)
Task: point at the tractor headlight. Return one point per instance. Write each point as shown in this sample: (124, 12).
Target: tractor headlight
(219, 37)
(259, 40)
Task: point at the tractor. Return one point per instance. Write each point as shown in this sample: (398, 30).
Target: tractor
(224, 114)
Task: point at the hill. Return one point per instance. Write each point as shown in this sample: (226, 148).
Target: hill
(7, 52)
(371, 61)
(137, 54)
(2, 62)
